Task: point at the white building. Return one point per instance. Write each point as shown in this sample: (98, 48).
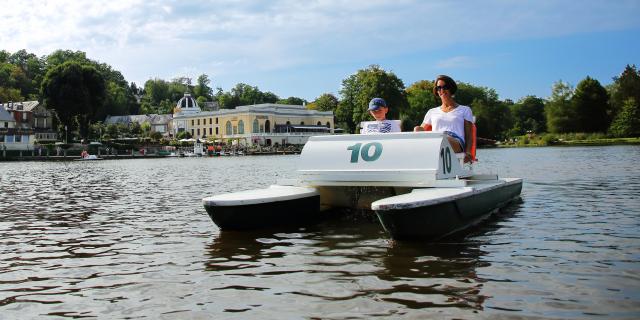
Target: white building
(263, 124)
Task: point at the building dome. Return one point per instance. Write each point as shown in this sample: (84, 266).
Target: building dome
(186, 105)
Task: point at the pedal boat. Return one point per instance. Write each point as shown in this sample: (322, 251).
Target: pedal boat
(413, 181)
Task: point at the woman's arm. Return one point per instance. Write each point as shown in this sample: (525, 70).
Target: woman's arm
(468, 141)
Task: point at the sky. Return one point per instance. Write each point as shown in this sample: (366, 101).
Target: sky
(307, 48)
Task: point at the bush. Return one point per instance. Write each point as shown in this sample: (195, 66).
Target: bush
(548, 139)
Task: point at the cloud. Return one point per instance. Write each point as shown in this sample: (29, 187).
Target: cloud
(239, 37)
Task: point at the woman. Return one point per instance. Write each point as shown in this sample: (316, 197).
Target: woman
(455, 120)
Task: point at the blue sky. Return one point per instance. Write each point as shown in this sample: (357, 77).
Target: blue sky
(306, 48)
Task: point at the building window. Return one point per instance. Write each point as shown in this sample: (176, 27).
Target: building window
(198, 131)
(18, 138)
(192, 131)
(228, 128)
(210, 120)
(328, 124)
(24, 116)
(216, 120)
(192, 122)
(240, 127)
(210, 131)
(267, 126)
(255, 126)
(302, 123)
(261, 128)
(198, 121)
(217, 133)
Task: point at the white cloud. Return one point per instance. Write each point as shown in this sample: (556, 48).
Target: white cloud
(230, 37)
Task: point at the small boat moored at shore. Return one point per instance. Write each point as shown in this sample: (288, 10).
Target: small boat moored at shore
(414, 182)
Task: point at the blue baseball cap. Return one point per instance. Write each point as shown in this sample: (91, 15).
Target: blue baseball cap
(376, 103)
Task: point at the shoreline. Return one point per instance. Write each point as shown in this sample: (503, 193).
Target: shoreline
(576, 143)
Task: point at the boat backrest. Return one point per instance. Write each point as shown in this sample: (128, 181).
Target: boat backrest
(390, 159)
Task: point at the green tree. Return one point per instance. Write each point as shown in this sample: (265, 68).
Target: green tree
(292, 101)
(269, 97)
(202, 88)
(358, 89)
(528, 115)
(591, 103)
(420, 98)
(625, 86)
(493, 120)
(559, 110)
(326, 102)
(75, 92)
(627, 121)
(183, 135)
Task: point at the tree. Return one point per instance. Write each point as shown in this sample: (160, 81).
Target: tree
(75, 92)
(202, 89)
(493, 120)
(358, 89)
(292, 101)
(326, 102)
(625, 86)
(591, 103)
(627, 122)
(420, 98)
(528, 115)
(559, 110)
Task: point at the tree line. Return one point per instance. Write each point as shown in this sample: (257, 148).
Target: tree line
(82, 91)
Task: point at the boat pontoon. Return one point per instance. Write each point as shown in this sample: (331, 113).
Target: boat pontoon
(414, 182)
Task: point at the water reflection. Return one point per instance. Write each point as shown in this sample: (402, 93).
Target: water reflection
(351, 259)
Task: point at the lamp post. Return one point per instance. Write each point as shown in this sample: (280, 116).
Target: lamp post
(65, 134)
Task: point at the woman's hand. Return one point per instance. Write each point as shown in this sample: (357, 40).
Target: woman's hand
(468, 157)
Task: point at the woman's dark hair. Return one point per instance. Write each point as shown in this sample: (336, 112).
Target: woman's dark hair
(448, 81)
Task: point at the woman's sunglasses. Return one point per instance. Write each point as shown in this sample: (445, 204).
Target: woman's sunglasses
(445, 87)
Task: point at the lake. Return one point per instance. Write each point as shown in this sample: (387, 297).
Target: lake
(130, 239)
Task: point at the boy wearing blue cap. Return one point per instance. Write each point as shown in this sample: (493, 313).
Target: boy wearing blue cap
(378, 109)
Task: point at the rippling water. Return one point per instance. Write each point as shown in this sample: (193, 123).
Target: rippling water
(130, 239)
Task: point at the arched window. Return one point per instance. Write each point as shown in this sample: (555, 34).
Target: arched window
(256, 127)
(328, 124)
(288, 122)
(319, 123)
(240, 127)
(267, 126)
(228, 128)
(302, 123)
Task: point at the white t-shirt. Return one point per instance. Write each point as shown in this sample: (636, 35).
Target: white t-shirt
(384, 126)
(449, 121)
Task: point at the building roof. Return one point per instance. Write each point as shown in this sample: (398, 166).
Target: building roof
(139, 118)
(264, 108)
(20, 106)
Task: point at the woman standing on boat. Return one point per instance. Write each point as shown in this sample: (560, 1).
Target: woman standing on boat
(451, 118)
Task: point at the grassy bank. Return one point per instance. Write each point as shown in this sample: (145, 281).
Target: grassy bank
(568, 139)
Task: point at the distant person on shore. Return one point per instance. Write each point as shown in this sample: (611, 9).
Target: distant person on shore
(378, 109)
(451, 118)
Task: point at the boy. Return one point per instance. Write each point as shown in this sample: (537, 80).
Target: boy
(378, 110)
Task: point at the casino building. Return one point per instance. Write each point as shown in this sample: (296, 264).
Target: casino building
(262, 124)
